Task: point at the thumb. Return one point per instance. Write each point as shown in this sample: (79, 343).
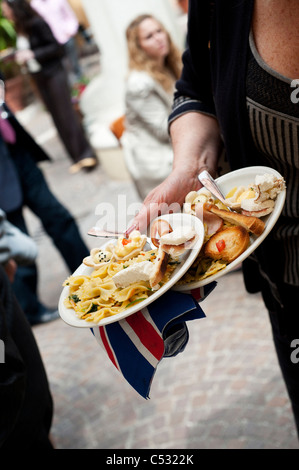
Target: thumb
(141, 221)
(149, 211)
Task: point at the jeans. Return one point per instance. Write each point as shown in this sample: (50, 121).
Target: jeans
(58, 223)
(56, 95)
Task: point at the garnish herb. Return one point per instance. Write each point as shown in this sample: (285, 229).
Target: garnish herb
(93, 308)
(135, 301)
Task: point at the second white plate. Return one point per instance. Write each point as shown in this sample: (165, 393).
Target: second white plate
(242, 177)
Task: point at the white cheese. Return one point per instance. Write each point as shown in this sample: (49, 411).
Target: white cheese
(265, 182)
(178, 236)
(135, 273)
(269, 186)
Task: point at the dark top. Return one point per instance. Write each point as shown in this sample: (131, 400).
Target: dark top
(10, 195)
(214, 72)
(48, 52)
(274, 125)
(214, 81)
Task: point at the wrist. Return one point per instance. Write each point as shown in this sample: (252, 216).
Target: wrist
(194, 167)
(209, 169)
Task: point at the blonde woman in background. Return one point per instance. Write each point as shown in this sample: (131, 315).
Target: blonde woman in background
(154, 66)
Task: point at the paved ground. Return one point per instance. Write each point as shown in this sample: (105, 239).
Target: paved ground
(224, 392)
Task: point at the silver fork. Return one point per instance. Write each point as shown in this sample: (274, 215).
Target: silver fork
(97, 232)
(209, 183)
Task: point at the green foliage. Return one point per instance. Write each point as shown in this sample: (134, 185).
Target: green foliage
(8, 37)
(7, 34)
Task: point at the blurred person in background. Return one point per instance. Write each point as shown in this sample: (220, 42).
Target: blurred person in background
(64, 25)
(42, 54)
(26, 406)
(154, 66)
(23, 185)
(84, 25)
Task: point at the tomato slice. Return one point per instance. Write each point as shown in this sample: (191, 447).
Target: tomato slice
(220, 245)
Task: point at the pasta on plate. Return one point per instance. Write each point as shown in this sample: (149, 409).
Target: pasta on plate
(250, 202)
(96, 296)
(203, 266)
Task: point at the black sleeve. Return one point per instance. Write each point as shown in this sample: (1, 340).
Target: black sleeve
(43, 43)
(193, 89)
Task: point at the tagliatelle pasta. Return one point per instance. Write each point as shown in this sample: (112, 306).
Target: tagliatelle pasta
(202, 268)
(96, 296)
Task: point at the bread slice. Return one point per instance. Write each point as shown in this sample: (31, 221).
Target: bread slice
(159, 268)
(250, 223)
(227, 244)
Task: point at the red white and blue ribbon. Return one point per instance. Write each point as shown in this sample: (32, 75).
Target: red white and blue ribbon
(136, 344)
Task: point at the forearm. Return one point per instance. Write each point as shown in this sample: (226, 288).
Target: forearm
(197, 146)
(196, 143)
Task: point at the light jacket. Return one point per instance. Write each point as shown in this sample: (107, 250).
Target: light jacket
(147, 149)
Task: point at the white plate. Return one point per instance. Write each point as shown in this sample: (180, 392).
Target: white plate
(243, 177)
(175, 220)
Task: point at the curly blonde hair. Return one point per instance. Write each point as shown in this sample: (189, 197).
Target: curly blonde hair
(139, 60)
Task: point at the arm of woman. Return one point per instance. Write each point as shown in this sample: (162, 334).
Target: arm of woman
(197, 145)
(194, 128)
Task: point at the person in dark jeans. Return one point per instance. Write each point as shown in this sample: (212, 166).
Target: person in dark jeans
(43, 56)
(23, 184)
(58, 224)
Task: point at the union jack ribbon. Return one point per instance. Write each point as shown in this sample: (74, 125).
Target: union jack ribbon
(136, 344)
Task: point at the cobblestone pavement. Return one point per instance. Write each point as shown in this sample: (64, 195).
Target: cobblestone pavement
(224, 391)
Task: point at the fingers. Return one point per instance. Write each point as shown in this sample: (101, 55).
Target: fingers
(151, 209)
(166, 198)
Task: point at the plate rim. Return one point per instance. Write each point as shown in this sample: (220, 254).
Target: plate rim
(269, 226)
(67, 314)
